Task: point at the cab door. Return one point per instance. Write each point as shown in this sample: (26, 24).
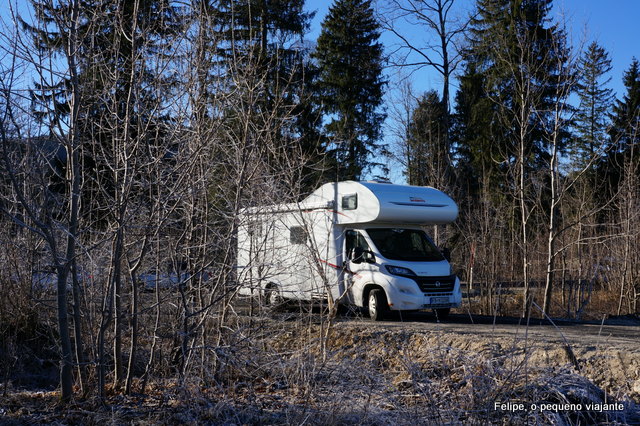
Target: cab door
(357, 255)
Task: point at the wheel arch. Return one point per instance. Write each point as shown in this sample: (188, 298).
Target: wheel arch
(270, 285)
(367, 289)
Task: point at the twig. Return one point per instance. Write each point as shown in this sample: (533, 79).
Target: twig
(567, 347)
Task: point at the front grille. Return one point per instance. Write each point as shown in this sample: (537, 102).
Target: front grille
(436, 284)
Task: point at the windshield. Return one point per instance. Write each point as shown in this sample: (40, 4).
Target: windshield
(404, 244)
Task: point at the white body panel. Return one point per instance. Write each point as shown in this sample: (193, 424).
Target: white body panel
(300, 247)
(388, 203)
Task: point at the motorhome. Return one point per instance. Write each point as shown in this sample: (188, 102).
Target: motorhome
(357, 243)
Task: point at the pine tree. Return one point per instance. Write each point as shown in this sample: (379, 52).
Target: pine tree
(625, 129)
(475, 149)
(426, 151)
(264, 37)
(624, 133)
(351, 85)
(592, 115)
(108, 44)
(512, 46)
(503, 35)
(518, 57)
(263, 42)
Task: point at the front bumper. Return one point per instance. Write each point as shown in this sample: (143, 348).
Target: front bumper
(404, 294)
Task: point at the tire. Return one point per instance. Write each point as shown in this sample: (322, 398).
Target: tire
(442, 313)
(378, 305)
(272, 296)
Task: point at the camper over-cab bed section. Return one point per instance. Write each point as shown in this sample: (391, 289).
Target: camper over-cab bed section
(364, 202)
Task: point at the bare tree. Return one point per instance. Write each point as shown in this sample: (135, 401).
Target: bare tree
(555, 131)
(443, 54)
(441, 51)
(54, 216)
(520, 115)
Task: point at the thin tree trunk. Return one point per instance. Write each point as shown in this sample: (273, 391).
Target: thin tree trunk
(77, 328)
(524, 220)
(118, 322)
(73, 176)
(134, 337)
(551, 238)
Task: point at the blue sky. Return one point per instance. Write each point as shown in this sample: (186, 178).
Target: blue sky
(614, 24)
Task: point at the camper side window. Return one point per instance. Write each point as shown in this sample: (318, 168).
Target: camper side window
(297, 235)
(350, 202)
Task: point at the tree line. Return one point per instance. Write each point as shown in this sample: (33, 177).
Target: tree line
(536, 149)
(134, 132)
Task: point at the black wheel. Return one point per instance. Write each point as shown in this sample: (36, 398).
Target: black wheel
(378, 305)
(272, 296)
(442, 313)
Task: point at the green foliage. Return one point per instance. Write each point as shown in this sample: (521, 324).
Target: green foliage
(475, 149)
(262, 43)
(427, 154)
(116, 46)
(109, 34)
(625, 130)
(506, 93)
(591, 119)
(351, 85)
(624, 135)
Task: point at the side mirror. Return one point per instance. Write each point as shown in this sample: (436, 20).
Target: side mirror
(361, 255)
(446, 252)
(369, 257)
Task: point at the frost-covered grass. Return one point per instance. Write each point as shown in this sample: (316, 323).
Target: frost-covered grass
(298, 372)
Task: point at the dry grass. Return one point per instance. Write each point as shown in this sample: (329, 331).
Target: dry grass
(273, 371)
(601, 303)
(364, 375)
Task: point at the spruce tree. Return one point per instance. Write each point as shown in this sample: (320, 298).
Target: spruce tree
(520, 59)
(262, 42)
(625, 129)
(473, 142)
(350, 62)
(426, 150)
(261, 37)
(592, 114)
(108, 43)
(624, 133)
(512, 46)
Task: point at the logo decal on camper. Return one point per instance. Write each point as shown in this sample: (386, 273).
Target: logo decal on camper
(416, 199)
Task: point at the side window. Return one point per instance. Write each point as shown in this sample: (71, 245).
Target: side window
(361, 242)
(350, 202)
(354, 239)
(349, 242)
(297, 235)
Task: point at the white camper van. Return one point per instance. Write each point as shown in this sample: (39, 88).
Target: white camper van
(360, 243)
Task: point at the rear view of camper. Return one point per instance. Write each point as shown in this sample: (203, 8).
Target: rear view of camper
(354, 243)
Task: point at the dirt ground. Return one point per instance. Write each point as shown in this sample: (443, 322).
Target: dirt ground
(608, 354)
(292, 368)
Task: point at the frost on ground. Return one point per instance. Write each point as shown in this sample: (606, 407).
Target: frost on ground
(361, 373)
(446, 377)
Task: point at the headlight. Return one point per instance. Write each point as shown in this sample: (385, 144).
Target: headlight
(399, 270)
